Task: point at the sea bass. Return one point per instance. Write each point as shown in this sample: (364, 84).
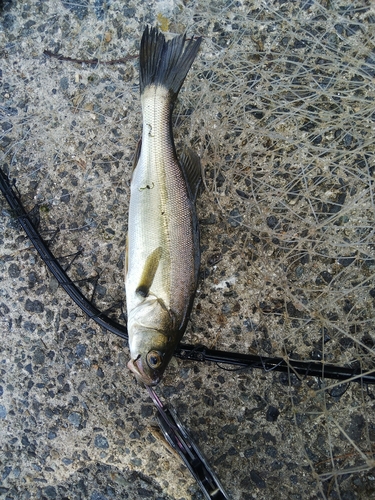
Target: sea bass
(162, 257)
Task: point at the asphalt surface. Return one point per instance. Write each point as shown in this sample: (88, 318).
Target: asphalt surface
(279, 105)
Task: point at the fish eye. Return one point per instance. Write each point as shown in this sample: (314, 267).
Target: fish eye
(154, 359)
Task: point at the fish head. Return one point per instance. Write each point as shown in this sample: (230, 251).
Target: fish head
(150, 352)
(152, 340)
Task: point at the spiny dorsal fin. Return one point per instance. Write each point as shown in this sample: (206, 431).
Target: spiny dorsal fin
(148, 273)
(191, 165)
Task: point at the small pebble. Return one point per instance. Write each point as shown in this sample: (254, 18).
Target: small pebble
(35, 306)
(272, 414)
(3, 412)
(272, 222)
(235, 218)
(14, 271)
(101, 442)
(257, 479)
(50, 491)
(75, 419)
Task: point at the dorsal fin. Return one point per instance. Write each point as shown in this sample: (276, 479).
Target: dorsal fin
(191, 165)
(148, 273)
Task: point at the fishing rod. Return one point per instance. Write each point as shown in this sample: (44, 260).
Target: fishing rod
(184, 351)
(180, 440)
(173, 430)
(290, 365)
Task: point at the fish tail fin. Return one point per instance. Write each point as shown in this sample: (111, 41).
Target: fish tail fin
(165, 63)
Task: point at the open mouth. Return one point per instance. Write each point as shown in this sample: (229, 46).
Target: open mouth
(135, 366)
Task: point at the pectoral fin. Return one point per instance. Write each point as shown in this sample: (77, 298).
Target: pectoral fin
(149, 271)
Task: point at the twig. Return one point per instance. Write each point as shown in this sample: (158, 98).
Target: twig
(60, 57)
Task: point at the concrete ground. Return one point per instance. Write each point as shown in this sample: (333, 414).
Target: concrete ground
(280, 106)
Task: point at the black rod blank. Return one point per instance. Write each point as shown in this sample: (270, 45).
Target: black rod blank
(183, 351)
(53, 265)
(304, 368)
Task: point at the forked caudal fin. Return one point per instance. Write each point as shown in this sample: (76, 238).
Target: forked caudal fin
(165, 63)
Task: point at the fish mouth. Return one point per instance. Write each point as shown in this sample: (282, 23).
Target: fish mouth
(135, 366)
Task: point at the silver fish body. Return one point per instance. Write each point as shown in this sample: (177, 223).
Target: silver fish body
(163, 239)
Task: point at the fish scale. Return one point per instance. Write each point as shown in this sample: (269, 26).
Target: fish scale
(160, 212)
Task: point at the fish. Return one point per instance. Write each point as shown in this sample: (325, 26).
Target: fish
(162, 249)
